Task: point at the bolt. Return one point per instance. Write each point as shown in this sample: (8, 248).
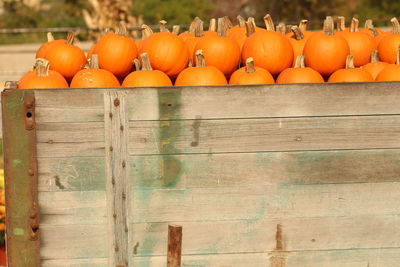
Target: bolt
(116, 102)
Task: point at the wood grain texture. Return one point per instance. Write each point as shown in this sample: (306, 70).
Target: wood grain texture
(267, 101)
(258, 201)
(116, 172)
(93, 262)
(255, 236)
(256, 135)
(236, 170)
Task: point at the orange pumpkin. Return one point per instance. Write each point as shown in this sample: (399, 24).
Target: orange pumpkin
(167, 52)
(46, 46)
(147, 77)
(232, 32)
(242, 33)
(93, 76)
(251, 75)
(116, 52)
(391, 72)
(360, 43)
(326, 52)
(299, 74)
(66, 58)
(219, 50)
(298, 40)
(390, 43)
(350, 73)
(375, 66)
(269, 49)
(201, 74)
(42, 77)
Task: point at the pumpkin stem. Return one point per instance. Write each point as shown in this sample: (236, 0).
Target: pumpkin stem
(50, 37)
(136, 62)
(341, 23)
(269, 23)
(250, 29)
(190, 64)
(281, 28)
(298, 34)
(198, 29)
(242, 21)
(71, 38)
(146, 65)
(354, 25)
(228, 23)
(396, 25)
(146, 31)
(200, 61)
(250, 65)
(300, 62)
(163, 26)
(329, 25)
(94, 62)
(176, 29)
(303, 25)
(193, 25)
(221, 27)
(213, 25)
(42, 67)
(370, 26)
(398, 57)
(374, 56)
(122, 30)
(350, 62)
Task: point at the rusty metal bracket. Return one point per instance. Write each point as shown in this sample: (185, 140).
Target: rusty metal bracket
(21, 178)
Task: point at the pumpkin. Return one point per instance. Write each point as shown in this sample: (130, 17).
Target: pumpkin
(303, 28)
(269, 49)
(242, 33)
(298, 41)
(220, 51)
(299, 74)
(146, 32)
(116, 52)
(190, 32)
(192, 41)
(326, 52)
(167, 52)
(46, 46)
(375, 66)
(66, 58)
(390, 43)
(237, 29)
(93, 76)
(350, 73)
(360, 43)
(42, 78)
(391, 72)
(251, 75)
(146, 77)
(201, 74)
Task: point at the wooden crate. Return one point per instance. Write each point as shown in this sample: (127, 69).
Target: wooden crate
(275, 175)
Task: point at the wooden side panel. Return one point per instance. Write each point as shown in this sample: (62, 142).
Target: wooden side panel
(21, 180)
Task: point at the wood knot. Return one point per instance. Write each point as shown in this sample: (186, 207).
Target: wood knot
(31, 172)
(116, 102)
(122, 127)
(110, 115)
(123, 164)
(111, 148)
(298, 139)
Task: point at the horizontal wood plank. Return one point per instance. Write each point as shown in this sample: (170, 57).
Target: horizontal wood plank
(259, 201)
(93, 262)
(331, 258)
(236, 170)
(265, 101)
(252, 236)
(255, 135)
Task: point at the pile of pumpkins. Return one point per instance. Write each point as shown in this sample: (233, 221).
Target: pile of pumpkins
(223, 54)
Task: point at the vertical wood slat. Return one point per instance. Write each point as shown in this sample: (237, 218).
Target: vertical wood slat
(174, 253)
(115, 120)
(21, 178)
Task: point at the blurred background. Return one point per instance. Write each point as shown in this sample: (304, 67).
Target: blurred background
(24, 23)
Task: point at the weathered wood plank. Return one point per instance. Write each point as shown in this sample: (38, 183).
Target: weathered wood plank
(235, 170)
(252, 236)
(264, 200)
(383, 257)
(75, 263)
(71, 105)
(255, 135)
(72, 174)
(79, 207)
(73, 242)
(116, 173)
(266, 101)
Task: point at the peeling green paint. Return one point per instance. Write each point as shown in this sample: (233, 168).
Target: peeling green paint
(17, 162)
(18, 231)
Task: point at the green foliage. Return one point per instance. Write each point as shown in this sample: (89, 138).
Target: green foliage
(380, 10)
(173, 11)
